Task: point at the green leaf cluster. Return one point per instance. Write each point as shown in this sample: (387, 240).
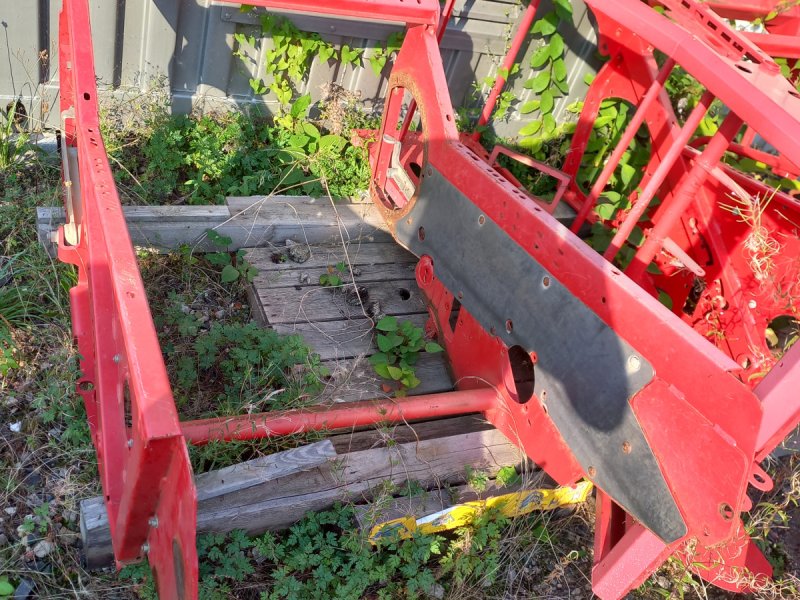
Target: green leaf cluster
(239, 365)
(233, 264)
(400, 344)
(549, 80)
(334, 276)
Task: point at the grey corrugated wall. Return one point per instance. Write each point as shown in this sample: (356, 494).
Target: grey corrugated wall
(191, 43)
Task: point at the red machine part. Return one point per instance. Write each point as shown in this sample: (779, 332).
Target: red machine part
(692, 374)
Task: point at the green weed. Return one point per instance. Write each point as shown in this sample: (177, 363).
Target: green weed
(400, 344)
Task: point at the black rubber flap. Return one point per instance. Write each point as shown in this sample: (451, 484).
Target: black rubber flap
(585, 371)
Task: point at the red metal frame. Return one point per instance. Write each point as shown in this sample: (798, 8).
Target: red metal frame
(709, 396)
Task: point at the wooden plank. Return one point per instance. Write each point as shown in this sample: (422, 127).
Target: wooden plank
(313, 304)
(227, 484)
(355, 379)
(340, 339)
(357, 474)
(269, 505)
(249, 222)
(358, 254)
(364, 274)
(257, 471)
(403, 433)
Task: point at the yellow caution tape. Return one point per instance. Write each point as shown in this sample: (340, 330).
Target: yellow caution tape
(509, 505)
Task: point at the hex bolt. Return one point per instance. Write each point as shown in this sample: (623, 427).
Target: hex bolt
(145, 548)
(153, 522)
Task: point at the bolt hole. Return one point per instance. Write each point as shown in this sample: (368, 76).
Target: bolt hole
(726, 510)
(421, 234)
(522, 370)
(626, 447)
(592, 471)
(509, 326)
(87, 96)
(448, 117)
(404, 294)
(546, 281)
(481, 220)
(603, 299)
(86, 386)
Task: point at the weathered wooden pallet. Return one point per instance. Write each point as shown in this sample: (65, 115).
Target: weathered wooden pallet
(337, 323)
(274, 491)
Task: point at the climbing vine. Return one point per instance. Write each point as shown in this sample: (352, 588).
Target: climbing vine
(548, 80)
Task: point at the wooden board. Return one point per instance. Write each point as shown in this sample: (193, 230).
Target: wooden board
(359, 254)
(287, 296)
(249, 221)
(318, 303)
(340, 339)
(234, 481)
(275, 491)
(354, 379)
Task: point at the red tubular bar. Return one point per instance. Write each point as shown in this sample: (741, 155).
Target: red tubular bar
(522, 31)
(636, 122)
(343, 416)
(685, 194)
(643, 201)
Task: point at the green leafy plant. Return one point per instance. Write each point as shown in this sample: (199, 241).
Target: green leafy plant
(334, 276)
(235, 366)
(234, 266)
(549, 80)
(381, 55)
(14, 143)
(325, 556)
(477, 480)
(6, 587)
(400, 344)
(507, 476)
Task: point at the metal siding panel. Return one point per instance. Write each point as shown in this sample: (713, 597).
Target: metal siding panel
(160, 30)
(217, 55)
(192, 20)
(191, 41)
(133, 38)
(103, 15)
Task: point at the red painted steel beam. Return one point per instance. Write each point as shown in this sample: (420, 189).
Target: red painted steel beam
(342, 416)
(523, 28)
(417, 12)
(780, 401)
(777, 45)
(771, 105)
(123, 379)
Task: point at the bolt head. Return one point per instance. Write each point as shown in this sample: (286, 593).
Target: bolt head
(145, 548)
(130, 443)
(153, 522)
(752, 304)
(634, 364)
